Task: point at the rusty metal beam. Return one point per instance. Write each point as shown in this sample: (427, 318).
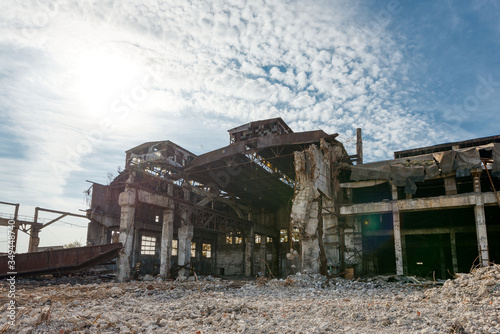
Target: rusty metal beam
(60, 261)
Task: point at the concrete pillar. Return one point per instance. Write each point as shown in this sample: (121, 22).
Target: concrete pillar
(136, 248)
(405, 257)
(481, 232)
(126, 200)
(394, 190)
(397, 232)
(358, 243)
(397, 241)
(454, 259)
(263, 254)
(185, 233)
(442, 259)
(249, 248)
(450, 185)
(167, 234)
(276, 256)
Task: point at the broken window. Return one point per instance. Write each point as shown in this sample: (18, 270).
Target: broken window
(229, 238)
(284, 235)
(258, 238)
(206, 250)
(193, 249)
(148, 245)
(238, 239)
(175, 247)
(295, 235)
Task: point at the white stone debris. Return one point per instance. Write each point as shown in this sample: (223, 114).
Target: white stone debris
(301, 303)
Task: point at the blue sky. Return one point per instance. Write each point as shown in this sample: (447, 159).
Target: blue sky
(82, 81)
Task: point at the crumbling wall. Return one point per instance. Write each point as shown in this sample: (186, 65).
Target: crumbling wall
(315, 210)
(230, 258)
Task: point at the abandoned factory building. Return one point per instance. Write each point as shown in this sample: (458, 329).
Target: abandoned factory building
(275, 201)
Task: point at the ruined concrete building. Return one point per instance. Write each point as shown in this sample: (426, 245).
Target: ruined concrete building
(276, 202)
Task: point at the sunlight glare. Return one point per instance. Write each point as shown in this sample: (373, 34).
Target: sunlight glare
(102, 77)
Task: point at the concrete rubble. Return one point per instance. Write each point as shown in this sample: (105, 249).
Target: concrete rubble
(301, 303)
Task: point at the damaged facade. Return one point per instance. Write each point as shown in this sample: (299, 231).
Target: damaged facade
(277, 202)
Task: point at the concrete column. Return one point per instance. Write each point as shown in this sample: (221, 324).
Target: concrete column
(481, 232)
(397, 232)
(397, 241)
(276, 256)
(263, 254)
(450, 185)
(249, 248)
(358, 244)
(405, 257)
(454, 259)
(394, 190)
(442, 258)
(167, 234)
(185, 233)
(136, 248)
(126, 200)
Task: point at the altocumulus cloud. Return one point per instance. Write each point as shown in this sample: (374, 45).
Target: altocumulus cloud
(84, 79)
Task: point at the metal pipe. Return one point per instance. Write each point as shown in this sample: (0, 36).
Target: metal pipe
(359, 147)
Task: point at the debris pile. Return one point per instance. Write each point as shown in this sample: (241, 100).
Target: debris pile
(483, 282)
(301, 303)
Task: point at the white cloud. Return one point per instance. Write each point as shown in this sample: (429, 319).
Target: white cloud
(186, 71)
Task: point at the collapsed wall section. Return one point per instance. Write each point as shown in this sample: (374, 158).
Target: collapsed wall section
(315, 210)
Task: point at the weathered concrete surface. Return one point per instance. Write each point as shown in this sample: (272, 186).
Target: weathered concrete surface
(480, 217)
(316, 175)
(231, 260)
(185, 235)
(153, 199)
(249, 249)
(126, 200)
(167, 235)
(420, 204)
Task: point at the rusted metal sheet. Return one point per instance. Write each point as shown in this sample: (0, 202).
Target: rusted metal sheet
(61, 261)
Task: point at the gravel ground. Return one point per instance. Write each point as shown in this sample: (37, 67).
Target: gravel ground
(300, 304)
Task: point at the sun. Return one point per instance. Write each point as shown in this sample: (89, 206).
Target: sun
(102, 76)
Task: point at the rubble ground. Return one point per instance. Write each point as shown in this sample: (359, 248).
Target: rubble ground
(302, 303)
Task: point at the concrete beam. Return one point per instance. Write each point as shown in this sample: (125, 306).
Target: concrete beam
(419, 204)
(425, 231)
(153, 199)
(362, 184)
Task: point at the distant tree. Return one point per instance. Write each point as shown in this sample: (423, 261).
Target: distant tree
(73, 244)
(110, 178)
